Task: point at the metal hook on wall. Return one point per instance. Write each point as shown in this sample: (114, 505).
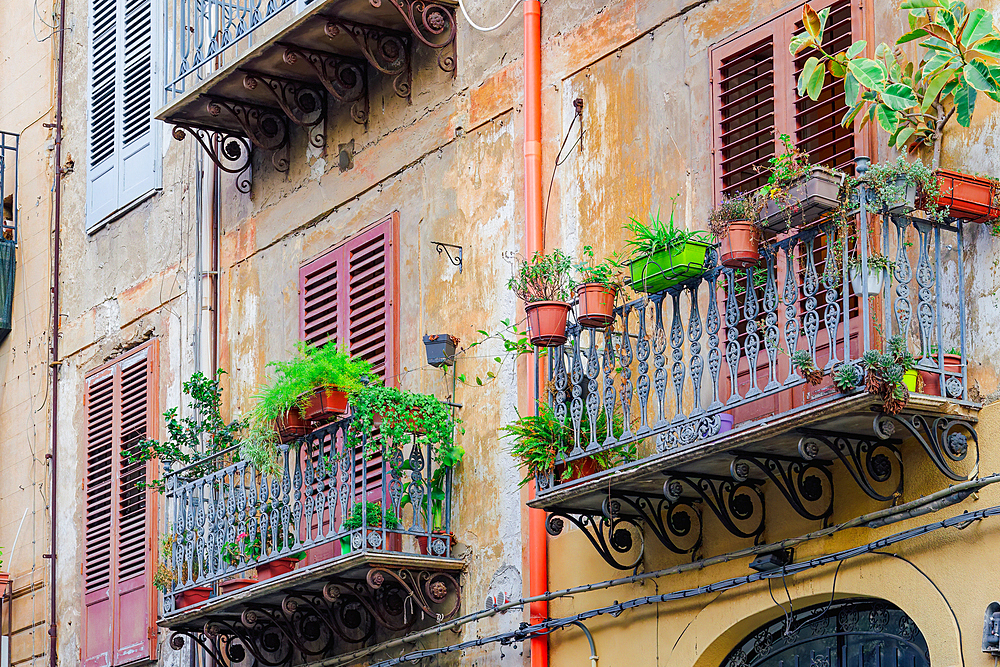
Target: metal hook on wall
(444, 248)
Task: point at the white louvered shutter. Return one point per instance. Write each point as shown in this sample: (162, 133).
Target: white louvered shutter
(122, 160)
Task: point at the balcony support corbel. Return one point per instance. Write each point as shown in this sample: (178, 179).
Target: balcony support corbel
(739, 506)
(343, 78)
(387, 51)
(677, 525)
(427, 588)
(304, 105)
(433, 23)
(944, 439)
(229, 151)
(264, 126)
(873, 464)
(608, 534)
(807, 485)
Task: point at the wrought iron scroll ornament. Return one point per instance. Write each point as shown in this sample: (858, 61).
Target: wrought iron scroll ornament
(230, 152)
(267, 129)
(387, 51)
(875, 465)
(344, 78)
(739, 505)
(612, 537)
(677, 525)
(945, 440)
(807, 484)
(428, 589)
(444, 248)
(304, 105)
(432, 23)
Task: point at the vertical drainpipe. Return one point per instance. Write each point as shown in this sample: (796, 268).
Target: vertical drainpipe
(54, 347)
(538, 573)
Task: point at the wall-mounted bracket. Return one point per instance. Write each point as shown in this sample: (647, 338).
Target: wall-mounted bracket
(230, 152)
(386, 50)
(739, 506)
(444, 248)
(676, 524)
(304, 105)
(344, 78)
(612, 537)
(944, 439)
(806, 484)
(264, 126)
(875, 465)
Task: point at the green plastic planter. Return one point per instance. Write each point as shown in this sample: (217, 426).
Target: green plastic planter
(670, 267)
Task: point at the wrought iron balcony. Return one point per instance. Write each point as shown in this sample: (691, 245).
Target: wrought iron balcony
(226, 519)
(699, 380)
(239, 72)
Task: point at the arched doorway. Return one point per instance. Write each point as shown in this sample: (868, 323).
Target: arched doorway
(848, 633)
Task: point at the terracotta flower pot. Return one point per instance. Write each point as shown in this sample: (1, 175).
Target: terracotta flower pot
(191, 596)
(966, 196)
(291, 427)
(275, 568)
(4, 580)
(596, 309)
(422, 542)
(740, 246)
(584, 467)
(932, 381)
(325, 404)
(547, 322)
(230, 585)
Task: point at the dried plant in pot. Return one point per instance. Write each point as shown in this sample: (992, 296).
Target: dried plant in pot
(735, 223)
(663, 255)
(599, 285)
(544, 284)
(885, 373)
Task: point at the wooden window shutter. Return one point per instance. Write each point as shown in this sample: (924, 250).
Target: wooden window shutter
(119, 603)
(755, 100)
(122, 162)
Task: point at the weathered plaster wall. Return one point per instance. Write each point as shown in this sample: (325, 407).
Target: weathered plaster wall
(26, 76)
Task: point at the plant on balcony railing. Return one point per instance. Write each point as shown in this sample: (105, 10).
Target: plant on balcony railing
(544, 283)
(736, 225)
(664, 254)
(399, 415)
(369, 515)
(885, 373)
(900, 187)
(599, 284)
(797, 193)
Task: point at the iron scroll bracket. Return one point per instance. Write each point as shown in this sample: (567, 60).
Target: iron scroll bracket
(613, 537)
(676, 524)
(807, 484)
(444, 248)
(875, 465)
(739, 505)
(229, 151)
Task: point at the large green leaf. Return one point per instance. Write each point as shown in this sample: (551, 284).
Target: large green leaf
(940, 31)
(977, 74)
(886, 118)
(850, 115)
(919, 4)
(810, 21)
(965, 104)
(989, 47)
(912, 35)
(800, 43)
(856, 48)
(808, 75)
(979, 25)
(899, 97)
(852, 90)
(902, 136)
(934, 87)
(868, 72)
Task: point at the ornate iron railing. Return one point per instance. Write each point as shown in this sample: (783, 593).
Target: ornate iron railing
(674, 364)
(225, 517)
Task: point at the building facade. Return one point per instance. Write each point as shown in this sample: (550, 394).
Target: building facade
(230, 179)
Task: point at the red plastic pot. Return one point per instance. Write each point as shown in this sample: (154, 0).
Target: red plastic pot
(191, 596)
(291, 427)
(422, 542)
(326, 403)
(275, 568)
(968, 197)
(596, 308)
(230, 585)
(741, 245)
(932, 381)
(547, 322)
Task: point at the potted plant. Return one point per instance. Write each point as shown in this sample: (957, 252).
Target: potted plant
(164, 578)
(927, 369)
(279, 566)
(544, 284)
(878, 266)
(797, 193)
(541, 442)
(803, 362)
(900, 186)
(885, 371)
(664, 255)
(373, 515)
(973, 198)
(735, 223)
(242, 550)
(398, 415)
(599, 284)
(440, 349)
(447, 457)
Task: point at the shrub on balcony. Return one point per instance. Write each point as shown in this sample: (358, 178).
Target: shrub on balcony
(885, 372)
(544, 284)
(372, 517)
(398, 415)
(664, 254)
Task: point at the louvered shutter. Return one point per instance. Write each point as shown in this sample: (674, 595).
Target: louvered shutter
(319, 303)
(755, 100)
(118, 595)
(122, 162)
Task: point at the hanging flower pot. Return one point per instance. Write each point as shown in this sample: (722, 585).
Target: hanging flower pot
(666, 268)
(191, 596)
(547, 322)
(292, 426)
(740, 245)
(874, 280)
(596, 306)
(324, 404)
(440, 349)
(969, 197)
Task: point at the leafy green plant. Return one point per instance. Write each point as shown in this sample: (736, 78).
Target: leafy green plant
(785, 168)
(607, 272)
(846, 377)
(658, 236)
(545, 277)
(372, 517)
(887, 181)
(803, 362)
(758, 278)
(192, 439)
(911, 100)
(244, 548)
(515, 343)
(399, 414)
(877, 262)
(885, 371)
(539, 442)
(742, 207)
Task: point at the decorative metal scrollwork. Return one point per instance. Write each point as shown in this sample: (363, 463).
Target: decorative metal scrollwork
(267, 129)
(387, 51)
(344, 78)
(807, 485)
(304, 105)
(428, 588)
(613, 537)
(230, 152)
(738, 505)
(432, 23)
(677, 525)
(875, 465)
(945, 439)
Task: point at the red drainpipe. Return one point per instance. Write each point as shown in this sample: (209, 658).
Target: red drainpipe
(538, 567)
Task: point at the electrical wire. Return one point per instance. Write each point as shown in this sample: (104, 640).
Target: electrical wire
(465, 13)
(577, 115)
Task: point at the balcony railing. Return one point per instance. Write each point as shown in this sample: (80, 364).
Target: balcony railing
(676, 366)
(218, 502)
